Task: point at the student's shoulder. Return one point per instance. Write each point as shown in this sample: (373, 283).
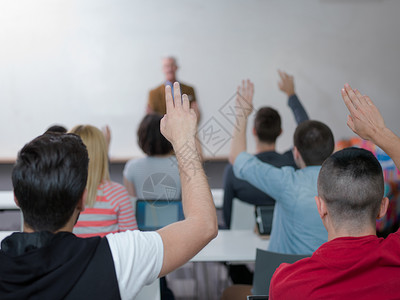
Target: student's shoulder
(136, 162)
(276, 159)
(113, 188)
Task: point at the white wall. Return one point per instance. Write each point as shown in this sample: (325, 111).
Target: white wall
(94, 61)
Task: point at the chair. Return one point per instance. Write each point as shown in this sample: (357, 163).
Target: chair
(10, 214)
(266, 264)
(154, 214)
(243, 217)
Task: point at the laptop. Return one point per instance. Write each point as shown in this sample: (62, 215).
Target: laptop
(154, 214)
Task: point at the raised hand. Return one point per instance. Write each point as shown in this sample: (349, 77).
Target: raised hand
(244, 99)
(364, 119)
(180, 122)
(286, 84)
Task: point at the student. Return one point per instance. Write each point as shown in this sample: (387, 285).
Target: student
(155, 176)
(354, 263)
(296, 226)
(108, 208)
(267, 128)
(47, 261)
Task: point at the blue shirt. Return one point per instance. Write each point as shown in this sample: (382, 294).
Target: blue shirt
(296, 227)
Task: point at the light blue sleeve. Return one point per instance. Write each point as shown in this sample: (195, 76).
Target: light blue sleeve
(266, 177)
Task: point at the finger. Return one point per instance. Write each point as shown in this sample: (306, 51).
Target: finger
(177, 94)
(185, 102)
(350, 123)
(358, 94)
(353, 97)
(368, 100)
(347, 101)
(169, 102)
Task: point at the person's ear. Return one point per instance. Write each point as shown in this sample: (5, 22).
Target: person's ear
(383, 207)
(297, 158)
(81, 203)
(296, 153)
(254, 131)
(321, 206)
(16, 201)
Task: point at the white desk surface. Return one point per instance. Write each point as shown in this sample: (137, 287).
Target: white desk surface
(232, 246)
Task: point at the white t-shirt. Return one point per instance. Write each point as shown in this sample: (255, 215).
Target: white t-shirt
(138, 258)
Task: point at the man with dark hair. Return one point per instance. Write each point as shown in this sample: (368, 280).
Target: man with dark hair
(354, 263)
(296, 226)
(267, 128)
(313, 143)
(47, 261)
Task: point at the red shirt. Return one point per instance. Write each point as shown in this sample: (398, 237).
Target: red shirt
(345, 268)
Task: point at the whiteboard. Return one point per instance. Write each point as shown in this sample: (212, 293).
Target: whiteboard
(94, 62)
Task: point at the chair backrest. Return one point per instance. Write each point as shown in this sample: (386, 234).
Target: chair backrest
(266, 264)
(243, 217)
(10, 214)
(155, 214)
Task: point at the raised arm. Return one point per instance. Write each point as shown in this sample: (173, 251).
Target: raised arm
(243, 108)
(286, 85)
(366, 121)
(183, 240)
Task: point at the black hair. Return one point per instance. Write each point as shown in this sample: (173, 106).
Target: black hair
(49, 178)
(150, 139)
(314, 140)
(56, 128)
(351, 183)
(267, 124)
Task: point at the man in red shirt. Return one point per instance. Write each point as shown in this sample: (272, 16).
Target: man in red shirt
(354, 263)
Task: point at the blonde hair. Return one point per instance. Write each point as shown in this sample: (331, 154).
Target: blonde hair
(96, 146)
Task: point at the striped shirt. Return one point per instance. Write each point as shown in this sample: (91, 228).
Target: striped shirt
(112, 212)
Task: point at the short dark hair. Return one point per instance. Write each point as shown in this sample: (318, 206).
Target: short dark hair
(267, 124)
(315, 142)
(56, 128)
(351, 184)
(49, 178)
(150, 139)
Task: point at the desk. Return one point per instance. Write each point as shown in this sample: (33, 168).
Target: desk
(232, 246)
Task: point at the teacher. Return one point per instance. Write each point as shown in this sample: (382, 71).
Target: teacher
(156, 102)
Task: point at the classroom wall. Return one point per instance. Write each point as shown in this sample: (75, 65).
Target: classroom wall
(94, 61)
